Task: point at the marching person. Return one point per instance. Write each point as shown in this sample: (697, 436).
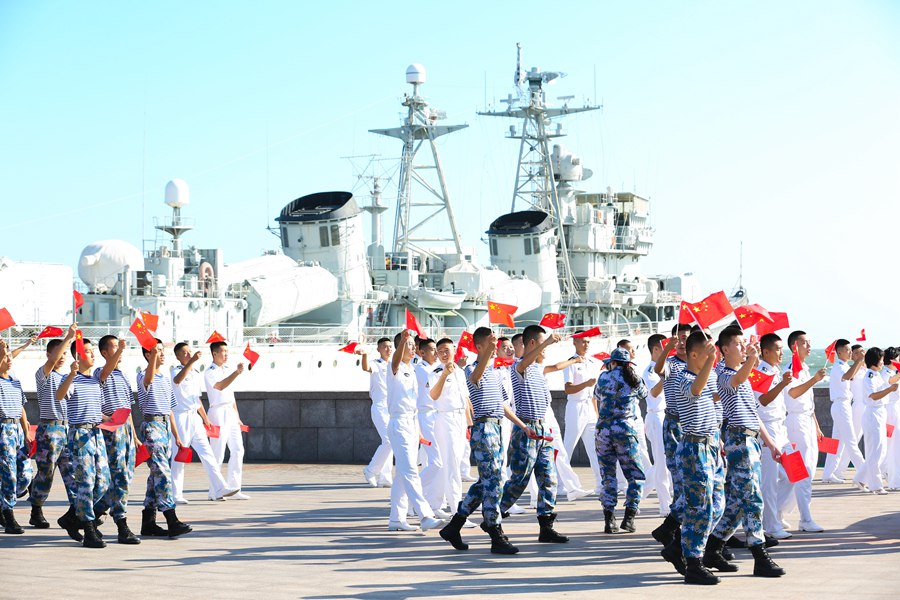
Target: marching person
(15, 433)
(51, 432)
(157, 401)
(191, 421)
(223, 411)
(859, 398)
(839, 388)
(581, 405)
(505, 349)
(892, 418)
(121, 443)
(567, 479)
(617, 394)
(653, 425)
(875, 422)
(432, 466)
(378, 472)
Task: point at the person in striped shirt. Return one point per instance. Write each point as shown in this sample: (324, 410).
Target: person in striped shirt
(15, 433)
(743, 491)
(156, 399)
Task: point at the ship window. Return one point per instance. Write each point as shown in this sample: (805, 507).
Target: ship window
(299, 363)
(536, 244)
(494, 247)
(323, 235)
(335, 235)
(527, 245)
(284, 236)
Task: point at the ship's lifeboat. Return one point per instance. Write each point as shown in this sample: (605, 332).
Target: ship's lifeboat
(439, 299)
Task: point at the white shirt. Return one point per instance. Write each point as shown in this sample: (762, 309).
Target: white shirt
(579, 373)
(886, 374)
(651, 379)
(378, 381)
(187, 393)
(423, 371)
(856, 385)
(214, 374)
(453, 394)
(402, 390)
(507, 387)
(873, 382)
(805, 404)
(838, 389)
(774, 412)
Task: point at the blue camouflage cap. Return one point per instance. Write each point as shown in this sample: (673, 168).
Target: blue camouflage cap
(619, 355)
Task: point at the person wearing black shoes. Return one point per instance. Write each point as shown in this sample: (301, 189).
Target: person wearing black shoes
(14, 433)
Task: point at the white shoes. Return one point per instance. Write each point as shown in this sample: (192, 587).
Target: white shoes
(470, 524)
(781, 534)
(832, 479)
(370, 479)
(181, 501)
(443, 515)
(860, 485)
(384, 483)
(515, 509)
(811, 527)
(574, 495)
(401, 526)
(469, 478)
(880, 492)
(430, 523)
(785, 524)
(213, 499)
(240, 496)
(228, 492)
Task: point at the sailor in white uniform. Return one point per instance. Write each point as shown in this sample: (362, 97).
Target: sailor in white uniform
(223, 411)
(891, 465)
(378, 472)
(859, 399)
(874, 421)
(581, 406)
(839, 388)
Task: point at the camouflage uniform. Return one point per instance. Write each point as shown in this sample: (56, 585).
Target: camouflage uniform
(120, 450)
(700, 508)
(90, 469)
(617, 437)
(24, 468)
(526, 456)
(486, 445)
(11, 440)
(52, 450)
(743, 491)
(671, 437)
(159, 484)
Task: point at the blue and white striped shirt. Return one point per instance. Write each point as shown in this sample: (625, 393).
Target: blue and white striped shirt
(117, 392)
(11, 398)
(714, 377)
(83, 403)
(739, 405)
(671, 385)
(159, 398)
(489, 395)
(46, 391)
(697, 413)
(530, 391)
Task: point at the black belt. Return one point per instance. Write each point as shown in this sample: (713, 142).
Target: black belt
(671, 417)
(697, 439)
(495, 420)
(54, 422)
(743, 431)
(9, 420)
(157, 418)
(533, 421)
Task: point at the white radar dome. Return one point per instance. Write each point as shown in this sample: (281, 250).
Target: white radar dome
(102, 262)
(415, 73)
(178, 194)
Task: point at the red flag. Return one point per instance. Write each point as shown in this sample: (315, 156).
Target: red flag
(245, 428)
(143, 335)
(50, 331)
(501, 361)
(150, 320)
(592, 332)
(829, 445)
(215, 337)
(79, 299)
(6, 320)
(213, 431)
(895, 364)
(467, 341)
(251, 355)
(602, 356)
(501, 314)
(79, 344)
(779, 321)
(460, 354)
(890, 430)
(830, 352)
(794, 467)
(184, 454)
(760, 382)
(750, 315)
(553, 320)
(141, 455)
(685, 316)
(862, 336)
(711, 309)
(412, 323)
(349, 348)
(796, 365)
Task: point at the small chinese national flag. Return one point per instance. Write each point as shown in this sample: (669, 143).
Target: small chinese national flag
(349, 348)
(711, 309)
(79, 299)
(760, 382)
(750, 315)
(215, 337)
(502, 314)
(467, 341)
(592, 332)
(830, 352)
(796, 365)
(6, 320)
(50, 331)
(79, 344)
(501, 361)
(143, 335)
(150, 320)
(779, 321)
(412, 323)
(895, 364)
(251, 356)
(553, 320)
(862, 336)
(602, 356)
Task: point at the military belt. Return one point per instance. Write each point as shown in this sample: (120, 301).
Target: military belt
(495, 420)
(54, 422)
(9, 420)
(157, 418)
(744, 431)
(697, 439)
(85, 425)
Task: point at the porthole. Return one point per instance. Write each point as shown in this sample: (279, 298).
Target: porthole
(334, 365)
(320, 364)
(299, 363)
(272, 366)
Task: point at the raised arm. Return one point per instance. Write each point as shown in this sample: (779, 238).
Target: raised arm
(484, 355)
(703, 375)
(221, 385)
(63, 390)
(660, 366)
(804, 387)
(187, 368)
(532, 355)
(58, 352)
(113, 362)
(747, 368)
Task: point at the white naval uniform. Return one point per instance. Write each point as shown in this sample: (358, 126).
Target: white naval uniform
(653, 430)
(432, 466)
(891, 464)
(223, 412)
(874, 425)
(383, 459)
(801, 429)
(193, 434)
(776, 488)
(581, 416)
(859, 402)
(450, 432)
(842, 427)
(403, 431)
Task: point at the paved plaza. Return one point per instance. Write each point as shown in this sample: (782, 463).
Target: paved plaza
(316, 531)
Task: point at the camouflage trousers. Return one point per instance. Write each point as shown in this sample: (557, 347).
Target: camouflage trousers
(120, 450)
(486, 449)
(90, 469)
(12, 440)
(526, 456)
(699, 462)
(617, 442)
(671, 438)
(52, 451)
(160, 493)
(743, 490)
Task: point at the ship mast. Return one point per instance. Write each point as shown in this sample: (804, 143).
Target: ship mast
(419, 128)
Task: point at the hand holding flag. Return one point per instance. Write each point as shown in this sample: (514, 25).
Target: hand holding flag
(250, 355)
(412, 324)
(760, 382)
(143, 335)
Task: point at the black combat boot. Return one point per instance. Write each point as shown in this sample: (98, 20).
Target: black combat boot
(763, 566)
(713, 559)
(666, 531)
(548, 534)
(71, 524)
(37, 519)
(125, 534)
(10, 524)
(176, 527)
(499, 543)
(672, 553)
(697, 574)
(97, 523)
(628, 521)
(91, 539)
(149, 528)
(610, 519)
(451, 532)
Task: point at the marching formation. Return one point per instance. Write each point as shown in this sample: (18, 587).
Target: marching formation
(733, 435)
(86, 430)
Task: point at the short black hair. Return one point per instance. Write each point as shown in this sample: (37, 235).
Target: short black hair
(502, 339)
(696, 340)
(383, 340)
(855, 346)
(146, 352)
(728, 334)
(532, 332)
(622, 343)
(767, 342)
(73, 350)
(105, 341)
(874, 356)
(216, 346)
(422, 342)
(680, 327)
(891, 353)
(397, 339)
(841, 343)
(518, 336)
(792, 338)
(655, 340)
(481, 334)
(443, 341)
(178, 347)
(52, 344)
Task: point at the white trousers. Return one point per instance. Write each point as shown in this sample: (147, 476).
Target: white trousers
(465, 462)
(777, 490)
(432, 475)
(802, 431)
(450, 438)
(875, 430)
(403, 431)
(193, 434)
(848, 448)
(229, 436)
(581, 424)
(383, 459)
(653, 430)
(859, 407)
(892, 415)
(568, 479)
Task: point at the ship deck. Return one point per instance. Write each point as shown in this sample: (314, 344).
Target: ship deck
(316, 531)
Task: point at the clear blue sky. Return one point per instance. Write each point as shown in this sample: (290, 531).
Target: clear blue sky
(775, 123)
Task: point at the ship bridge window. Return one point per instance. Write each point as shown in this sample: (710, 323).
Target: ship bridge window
(528, 246)
(323, 236)
(335, 235)
(493, 246)
(536, 244)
